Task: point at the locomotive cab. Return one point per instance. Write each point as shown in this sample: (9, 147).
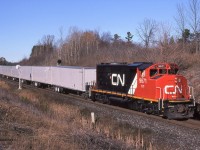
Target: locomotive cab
(171, 86)
(169, 89)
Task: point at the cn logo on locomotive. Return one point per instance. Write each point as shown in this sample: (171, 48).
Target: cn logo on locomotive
(116, 79)
(168, 89)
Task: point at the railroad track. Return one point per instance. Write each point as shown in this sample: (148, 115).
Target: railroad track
(190, 123)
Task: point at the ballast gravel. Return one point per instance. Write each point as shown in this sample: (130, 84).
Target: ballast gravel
(163, 135)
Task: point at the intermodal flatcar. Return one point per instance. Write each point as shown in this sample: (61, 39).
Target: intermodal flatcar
(59, 78)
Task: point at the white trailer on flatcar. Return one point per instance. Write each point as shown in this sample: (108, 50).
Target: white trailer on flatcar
(58, 77)
(74, 78)
(26, 73)
(14, 72)
(6, 71)
(41, 75)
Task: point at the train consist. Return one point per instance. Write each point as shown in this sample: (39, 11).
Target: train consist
(146, 87)
(59, 78)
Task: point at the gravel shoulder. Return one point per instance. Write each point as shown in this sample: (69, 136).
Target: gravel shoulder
(162, 135)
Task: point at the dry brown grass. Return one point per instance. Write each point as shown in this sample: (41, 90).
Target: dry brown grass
(34, 121)
(4, 85)
(26, 94)
(32, 131)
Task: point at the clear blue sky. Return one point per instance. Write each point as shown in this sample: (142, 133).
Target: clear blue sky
(24, 22)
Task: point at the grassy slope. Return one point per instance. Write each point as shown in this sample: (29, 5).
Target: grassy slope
(32, 120)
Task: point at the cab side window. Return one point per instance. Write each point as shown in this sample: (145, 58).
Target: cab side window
(153, 72)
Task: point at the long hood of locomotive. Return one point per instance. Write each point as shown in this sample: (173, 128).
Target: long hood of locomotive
(116, 78)
(125, 79)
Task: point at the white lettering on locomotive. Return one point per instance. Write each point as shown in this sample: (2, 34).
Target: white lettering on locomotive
(116, 79)
(176, 88)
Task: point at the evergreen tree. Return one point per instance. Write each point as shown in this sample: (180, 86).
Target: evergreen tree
(129, 36)
(116, 37)
(186, 35)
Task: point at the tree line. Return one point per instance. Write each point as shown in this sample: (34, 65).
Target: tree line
(156, 42)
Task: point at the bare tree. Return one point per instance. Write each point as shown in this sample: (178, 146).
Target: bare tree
(89, 41)
(105, 38)
(48, 40)
(60, 43)
(164, 36)
(73, 42)
(194, 20)
(146, 31)
(181, 22)
(79, 44)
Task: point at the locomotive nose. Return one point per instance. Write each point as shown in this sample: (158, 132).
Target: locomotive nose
(176, 88)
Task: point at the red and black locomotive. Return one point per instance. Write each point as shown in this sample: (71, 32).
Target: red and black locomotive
(147, 87)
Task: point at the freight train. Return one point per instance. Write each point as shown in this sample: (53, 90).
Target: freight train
(145, 86)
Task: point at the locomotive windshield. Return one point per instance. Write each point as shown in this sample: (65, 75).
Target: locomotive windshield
(162, 71)
(158, 70)
(155, 72)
